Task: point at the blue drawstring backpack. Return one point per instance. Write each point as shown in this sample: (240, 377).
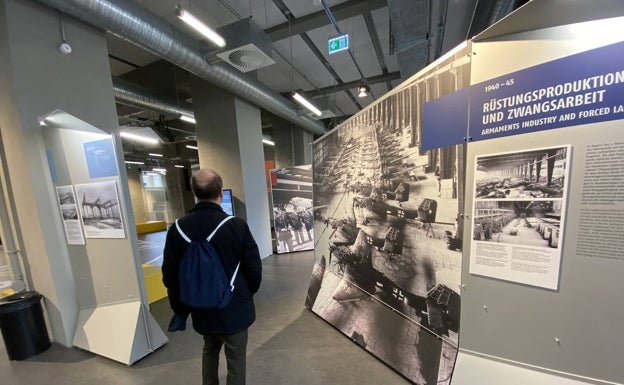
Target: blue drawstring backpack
(203, 281)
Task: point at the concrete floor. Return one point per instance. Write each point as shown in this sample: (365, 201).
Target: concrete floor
(288, 345)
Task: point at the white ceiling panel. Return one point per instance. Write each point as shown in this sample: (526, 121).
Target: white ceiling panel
(300, 8)
(266, 14)
(340, 61)
(304, 60)
(379, 89)
(344, 103)
(361, 45)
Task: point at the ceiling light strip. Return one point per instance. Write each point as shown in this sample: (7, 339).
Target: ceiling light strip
(200, 27)
(188, 118)
(138, 138)
(304, 102)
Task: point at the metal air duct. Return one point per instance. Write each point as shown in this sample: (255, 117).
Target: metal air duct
(134, 96)
(132, 22)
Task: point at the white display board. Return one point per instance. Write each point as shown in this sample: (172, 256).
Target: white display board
(518, 215)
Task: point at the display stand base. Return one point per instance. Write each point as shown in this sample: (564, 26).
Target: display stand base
(472, 369)
(124, 332)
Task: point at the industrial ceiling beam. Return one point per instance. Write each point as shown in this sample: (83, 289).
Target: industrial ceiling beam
(304, 36)
(319, 19)
(372, 31)
(387, 77)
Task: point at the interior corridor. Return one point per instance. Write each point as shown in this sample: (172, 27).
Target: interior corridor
(288, 345)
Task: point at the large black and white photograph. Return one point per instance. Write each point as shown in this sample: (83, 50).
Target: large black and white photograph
(539, 173)
(517, 223)
(388, 239)
(99, 210)
(291, 191)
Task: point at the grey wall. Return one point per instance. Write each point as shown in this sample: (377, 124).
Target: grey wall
(584, 314)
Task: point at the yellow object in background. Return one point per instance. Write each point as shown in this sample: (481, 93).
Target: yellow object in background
(153, 283)
(151, 227)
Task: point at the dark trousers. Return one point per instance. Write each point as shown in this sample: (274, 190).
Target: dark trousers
(235, 355)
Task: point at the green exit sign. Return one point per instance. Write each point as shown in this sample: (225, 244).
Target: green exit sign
(337, 44)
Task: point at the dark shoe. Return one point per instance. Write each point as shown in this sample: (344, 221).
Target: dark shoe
(177, 323)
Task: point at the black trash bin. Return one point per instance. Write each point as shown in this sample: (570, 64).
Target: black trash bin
(22, 325)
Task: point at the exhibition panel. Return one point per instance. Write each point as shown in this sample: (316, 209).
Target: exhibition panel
(291, 192)
(388, 240)
(94, 215)
(537, 188)
(544, 176)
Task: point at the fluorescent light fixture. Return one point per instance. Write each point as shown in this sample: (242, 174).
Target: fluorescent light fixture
(155, 154)
(304, 102)
(191, 147)
(138, 138)
(42, 123)
(159, 169)
(268, 142)
(133, 162)
(200, 27)
(363, 91)
(188, 118)
(178, 166)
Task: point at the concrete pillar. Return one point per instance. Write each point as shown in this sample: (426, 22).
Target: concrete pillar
(302, 145)
(283, 138)
(229, 138)
(102, 279)
(37, 79)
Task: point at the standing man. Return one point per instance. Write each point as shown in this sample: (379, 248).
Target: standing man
(233, 243)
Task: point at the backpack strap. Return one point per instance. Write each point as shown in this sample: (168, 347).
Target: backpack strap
(238, 264)
(186, 238)
(182, 232)
(219, 225)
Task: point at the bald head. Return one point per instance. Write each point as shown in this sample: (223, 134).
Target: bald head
(207, 185)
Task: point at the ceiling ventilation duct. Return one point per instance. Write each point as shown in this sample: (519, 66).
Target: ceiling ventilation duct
(252, 46)
(130, 21)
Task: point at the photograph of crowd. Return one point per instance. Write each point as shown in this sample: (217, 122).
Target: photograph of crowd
(291, 189)
(388, 238)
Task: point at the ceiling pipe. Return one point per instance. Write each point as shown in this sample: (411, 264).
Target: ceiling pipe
(132, 22)
(132, 95)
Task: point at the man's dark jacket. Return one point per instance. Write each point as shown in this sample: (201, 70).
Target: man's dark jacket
(233, 242)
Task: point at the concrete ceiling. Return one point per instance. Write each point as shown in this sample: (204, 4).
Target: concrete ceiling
(299, 30)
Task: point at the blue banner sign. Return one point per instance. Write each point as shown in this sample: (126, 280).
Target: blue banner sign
(583, 88)
(444, 120)
(100, 157)
(579, 89)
